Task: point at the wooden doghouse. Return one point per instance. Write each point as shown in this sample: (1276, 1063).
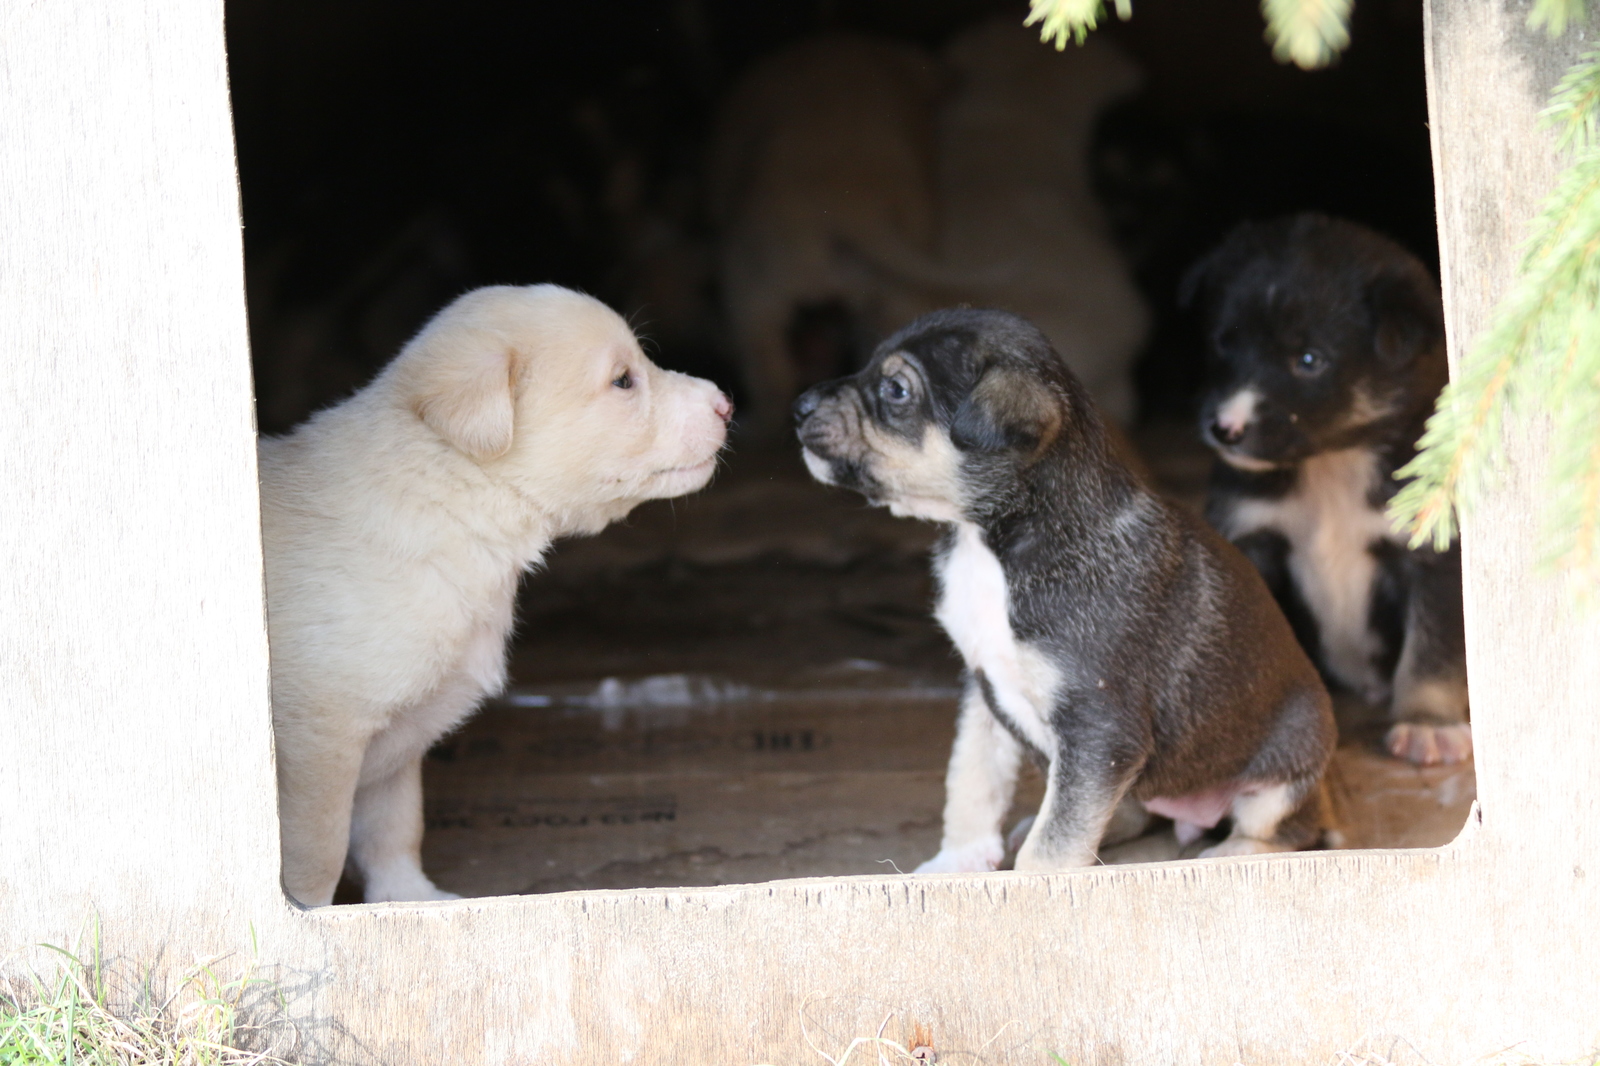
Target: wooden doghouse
(136, 776)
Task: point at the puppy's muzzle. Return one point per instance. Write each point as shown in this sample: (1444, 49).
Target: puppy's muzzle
(816, 415)
(827, 424)
(807, 405)
(1261, 438)
(1227, 434)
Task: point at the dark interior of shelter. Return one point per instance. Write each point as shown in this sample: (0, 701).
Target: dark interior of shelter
(748, 684)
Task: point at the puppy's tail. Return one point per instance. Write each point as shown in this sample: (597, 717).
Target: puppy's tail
(1335, 808)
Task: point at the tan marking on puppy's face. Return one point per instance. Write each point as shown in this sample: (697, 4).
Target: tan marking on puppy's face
(902, 459)
(1366, 409)
(1009, 409)
(922, 480)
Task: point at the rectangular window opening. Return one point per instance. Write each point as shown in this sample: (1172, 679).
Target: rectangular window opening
(747, 684)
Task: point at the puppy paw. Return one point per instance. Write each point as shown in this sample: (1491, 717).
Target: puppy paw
(1041, 861)
(980, 856)
(405, 889)
(1241, 846)
(1428, 744)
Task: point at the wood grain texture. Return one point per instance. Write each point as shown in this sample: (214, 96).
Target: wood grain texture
(136, 773)
(135, 776)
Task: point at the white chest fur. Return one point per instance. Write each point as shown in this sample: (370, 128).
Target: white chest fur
(1331, 528)
(975, 609)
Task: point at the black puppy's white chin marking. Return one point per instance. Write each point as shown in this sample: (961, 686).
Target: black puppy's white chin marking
(1245, 462)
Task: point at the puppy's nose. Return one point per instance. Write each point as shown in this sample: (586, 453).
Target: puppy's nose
(723, 407)
(807, 404)
(1234, 416)
(1227, 434)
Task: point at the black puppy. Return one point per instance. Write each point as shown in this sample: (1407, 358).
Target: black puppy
(1327, 353)
(1125, 645)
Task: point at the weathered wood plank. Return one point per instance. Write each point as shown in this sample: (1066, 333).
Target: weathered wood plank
(135, 774)
(1489, 75)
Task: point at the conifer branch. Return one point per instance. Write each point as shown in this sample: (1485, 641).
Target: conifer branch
(1063, 19)
(1575, 105)
(1540, 356)
(1308, 33)
(1554, 15)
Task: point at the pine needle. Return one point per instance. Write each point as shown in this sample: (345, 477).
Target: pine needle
(1574, 108)
(1540, 357)
(1307, 33)
(1554, 15)
(1064, 19)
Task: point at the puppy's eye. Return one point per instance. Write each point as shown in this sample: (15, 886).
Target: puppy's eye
(625, 381)
(894, 390)
(1309, 364)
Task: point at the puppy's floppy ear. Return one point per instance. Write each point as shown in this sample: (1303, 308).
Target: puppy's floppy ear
(1407, 315)
(1008, 409)
(461, 388)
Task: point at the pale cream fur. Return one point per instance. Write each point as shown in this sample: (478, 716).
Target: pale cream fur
(820, 172)
(395, 528)
(1331, 529)
(872, 174)
(1014, 192)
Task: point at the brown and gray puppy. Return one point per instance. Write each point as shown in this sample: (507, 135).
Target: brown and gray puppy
(1327, 353)
(1107, 633)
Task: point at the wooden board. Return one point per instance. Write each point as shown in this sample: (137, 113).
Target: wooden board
(135, 778)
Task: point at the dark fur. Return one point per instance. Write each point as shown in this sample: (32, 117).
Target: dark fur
(1371, 314)
(1178, 672)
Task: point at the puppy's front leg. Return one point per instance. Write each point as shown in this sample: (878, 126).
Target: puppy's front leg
(1430, 682)
(978, 788)
(1087, 780)
(317, 773)
(386, 837)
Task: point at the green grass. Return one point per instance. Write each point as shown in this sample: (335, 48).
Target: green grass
(76, 1017)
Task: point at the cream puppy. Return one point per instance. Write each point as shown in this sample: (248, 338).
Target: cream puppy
(395, 527)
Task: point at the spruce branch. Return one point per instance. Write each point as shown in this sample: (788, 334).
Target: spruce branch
(1307, 33)
(1460, 442)
(1574, 108)
(1554, 15)
(1070, 18)
(1539, 357)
